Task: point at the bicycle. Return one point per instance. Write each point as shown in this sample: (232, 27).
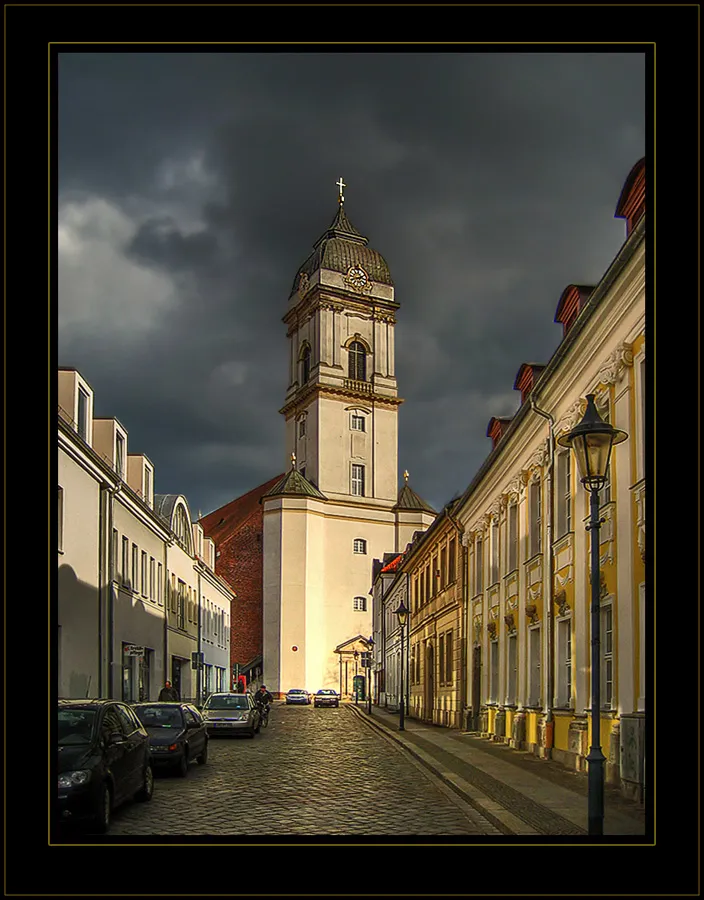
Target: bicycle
(263, 715)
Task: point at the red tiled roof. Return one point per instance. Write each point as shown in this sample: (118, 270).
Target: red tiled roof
(223, 523)
(394, 564)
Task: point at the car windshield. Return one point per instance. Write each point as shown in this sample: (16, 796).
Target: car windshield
(296, 691)
(227, 701)
(76, 726)
(326, 692)
(160, 716)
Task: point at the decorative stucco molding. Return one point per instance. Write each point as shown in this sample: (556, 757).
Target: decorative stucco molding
(639, 494)
(532, 613)
(615, 365)
(466, 538)
(560, 601)
(491, 629)
(571, 417)
(510, 623)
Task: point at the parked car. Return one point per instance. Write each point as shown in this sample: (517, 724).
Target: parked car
(177, 734)
(297, 695)
(103, 760)
(231, 714)
(326, 698)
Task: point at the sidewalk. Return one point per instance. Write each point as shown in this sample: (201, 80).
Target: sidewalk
(518, 792)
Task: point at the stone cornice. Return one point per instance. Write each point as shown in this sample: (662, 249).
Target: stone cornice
(339, 393)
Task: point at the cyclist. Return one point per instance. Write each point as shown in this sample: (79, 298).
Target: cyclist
(262, 696)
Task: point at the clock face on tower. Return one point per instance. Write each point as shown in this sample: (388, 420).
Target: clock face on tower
(357, 278)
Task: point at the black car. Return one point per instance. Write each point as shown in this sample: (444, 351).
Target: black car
(177, 734)
(103, 760)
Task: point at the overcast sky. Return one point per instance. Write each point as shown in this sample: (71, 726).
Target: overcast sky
(192, 186)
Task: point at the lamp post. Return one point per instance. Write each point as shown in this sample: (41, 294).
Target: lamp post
(370, 642)
(592, 440)
(402, 613)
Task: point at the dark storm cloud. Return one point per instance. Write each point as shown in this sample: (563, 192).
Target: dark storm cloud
(487, 180)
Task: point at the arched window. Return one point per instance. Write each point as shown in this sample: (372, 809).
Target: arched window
(305, 364)
(357, 361)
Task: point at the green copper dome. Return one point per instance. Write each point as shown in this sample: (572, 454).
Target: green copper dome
(340, 247)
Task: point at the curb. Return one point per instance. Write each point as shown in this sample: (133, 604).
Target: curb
(490, 809)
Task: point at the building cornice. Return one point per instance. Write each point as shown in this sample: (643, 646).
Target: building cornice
(337, 393)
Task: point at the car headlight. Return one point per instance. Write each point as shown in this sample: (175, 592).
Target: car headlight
(71, 779)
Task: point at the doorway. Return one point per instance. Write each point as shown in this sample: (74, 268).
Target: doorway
(476, 685)
(429, 682)
(176, 674)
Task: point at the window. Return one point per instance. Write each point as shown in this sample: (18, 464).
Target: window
(305, 364)
(302, 428)
(494, 551)
(152, 580)
(428, 593)
(513, 537)
(60, 538)
(416, 593)
(181, 607)
(512, 669)
(125, 561)
(357, 362)
(111, 723)
(607, 657)
(448, 658)
(83, 414)
(135, 568)
(358, 481)
(360, 604)
(358, 423)
(148, 486)
(536, 518)
(160, 585)
(120, 454)
(182, 528)
(564, 493)
(494, 671)
(534, 681)
(441, 657)
(452, 562)
(564, 662)
(434, 577)
(360, 545)
(144, 574)
(443, 568)
(129, 726)
(421, 579)
(478, 566)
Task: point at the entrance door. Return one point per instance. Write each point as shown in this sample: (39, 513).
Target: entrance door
(429, 682)
(176, 674)
(476, 685)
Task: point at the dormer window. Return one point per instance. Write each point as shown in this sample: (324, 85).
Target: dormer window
(357, 361)
(120, 454)
(82, 414)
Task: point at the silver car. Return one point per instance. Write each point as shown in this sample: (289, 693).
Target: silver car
(231, 714)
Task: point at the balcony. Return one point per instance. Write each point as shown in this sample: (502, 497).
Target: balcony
(364, 387)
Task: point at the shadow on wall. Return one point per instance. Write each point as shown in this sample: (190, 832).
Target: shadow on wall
(77, 658)
(79, 653)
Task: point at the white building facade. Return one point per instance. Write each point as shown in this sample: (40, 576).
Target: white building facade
(118, 556)
(339, 506)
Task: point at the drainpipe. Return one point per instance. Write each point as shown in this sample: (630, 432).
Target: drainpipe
(549, 722)
(199, 669)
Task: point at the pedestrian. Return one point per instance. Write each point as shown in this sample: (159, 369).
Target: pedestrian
(168, 693)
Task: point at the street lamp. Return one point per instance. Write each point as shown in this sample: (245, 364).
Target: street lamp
(370, 643)
(592, 440)
(402, 613)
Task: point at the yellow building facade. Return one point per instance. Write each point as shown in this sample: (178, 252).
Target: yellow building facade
(527, 666)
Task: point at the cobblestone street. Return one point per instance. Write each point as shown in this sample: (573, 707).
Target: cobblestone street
(312, 771)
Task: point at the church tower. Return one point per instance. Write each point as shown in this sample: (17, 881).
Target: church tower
(339, 506)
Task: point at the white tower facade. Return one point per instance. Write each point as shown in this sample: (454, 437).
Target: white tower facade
(339, 506)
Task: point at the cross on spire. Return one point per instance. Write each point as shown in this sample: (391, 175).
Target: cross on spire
(341, 184)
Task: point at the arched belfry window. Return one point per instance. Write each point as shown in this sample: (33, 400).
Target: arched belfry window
(357, 361)
(305, 363)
